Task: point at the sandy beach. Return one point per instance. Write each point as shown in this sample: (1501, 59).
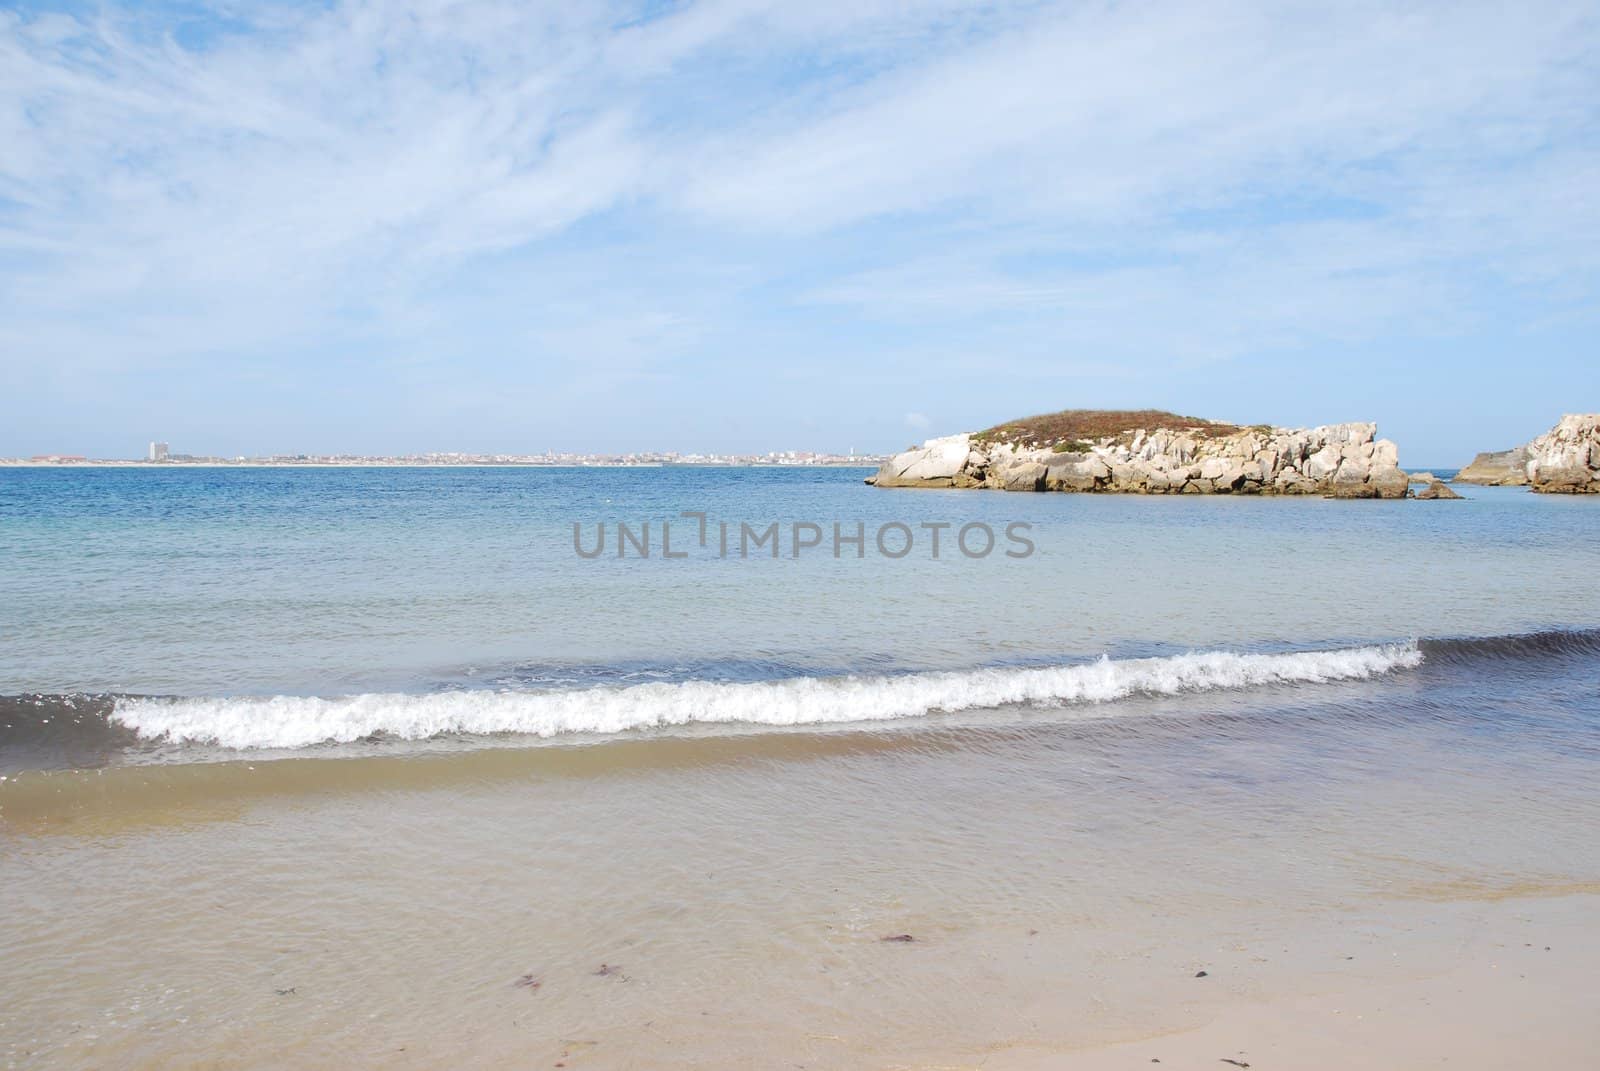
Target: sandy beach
(1478, 984)
(1361, 881)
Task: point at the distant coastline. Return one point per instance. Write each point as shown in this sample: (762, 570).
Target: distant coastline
(477, 462)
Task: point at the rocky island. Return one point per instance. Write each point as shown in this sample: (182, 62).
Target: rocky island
(1497, 468)
(1564, 460)
(1155, 452)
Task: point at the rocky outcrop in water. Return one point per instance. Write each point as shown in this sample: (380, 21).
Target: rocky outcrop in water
(1566, 459)
(1497, 468)
(1436, 489)
(1337, 460)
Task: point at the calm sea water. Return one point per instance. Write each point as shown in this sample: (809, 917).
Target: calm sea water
(368, 768)
(424, 603)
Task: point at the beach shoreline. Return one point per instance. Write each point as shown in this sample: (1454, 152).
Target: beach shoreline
(382, 775)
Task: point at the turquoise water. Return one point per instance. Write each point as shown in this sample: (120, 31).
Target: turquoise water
(236, 583)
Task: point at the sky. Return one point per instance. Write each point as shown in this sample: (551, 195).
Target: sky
(743, 225)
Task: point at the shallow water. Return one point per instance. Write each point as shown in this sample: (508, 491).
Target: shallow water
(1066, 856)
(337, 581)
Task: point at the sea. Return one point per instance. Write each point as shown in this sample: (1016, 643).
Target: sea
(640, 767)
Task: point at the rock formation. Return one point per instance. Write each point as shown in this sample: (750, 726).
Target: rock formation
(1435, 489)
(1499, 468)
(1338, 460)
(1566, 459)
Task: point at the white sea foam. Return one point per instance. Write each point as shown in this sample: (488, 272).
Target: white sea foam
(300, 721)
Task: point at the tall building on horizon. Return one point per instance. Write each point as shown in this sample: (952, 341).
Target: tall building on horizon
(158, 451)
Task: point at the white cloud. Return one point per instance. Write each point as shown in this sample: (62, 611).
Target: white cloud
(1140, 111)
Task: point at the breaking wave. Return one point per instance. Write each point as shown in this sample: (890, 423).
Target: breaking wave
(300, 721)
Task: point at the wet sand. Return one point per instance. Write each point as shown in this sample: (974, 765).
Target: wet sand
(1392, 849)
(1507, 983)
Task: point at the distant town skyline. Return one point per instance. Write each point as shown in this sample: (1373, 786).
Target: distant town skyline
(735, 226)
(160, 453)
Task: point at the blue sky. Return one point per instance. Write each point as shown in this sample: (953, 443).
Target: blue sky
(748, 225)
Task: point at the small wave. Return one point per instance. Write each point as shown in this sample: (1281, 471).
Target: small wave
(39, 731)
(1527, 645)
(298, 721)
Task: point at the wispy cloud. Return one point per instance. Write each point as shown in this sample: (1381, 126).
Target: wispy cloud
(599, 197)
